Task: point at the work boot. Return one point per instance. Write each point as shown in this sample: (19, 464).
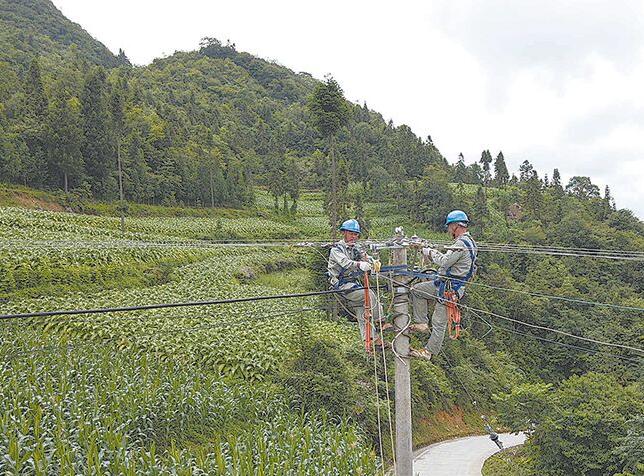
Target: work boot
(420, 353)
(419, 327)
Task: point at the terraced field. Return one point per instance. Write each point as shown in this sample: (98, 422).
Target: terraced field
(166, 391)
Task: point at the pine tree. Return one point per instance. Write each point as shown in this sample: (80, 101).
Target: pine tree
(98, 150)
(65, 134)
(480, 210)
(526, 171)
(501, 174)
(486, 160)
(460, 170)
(532, 197)
(330, 113)
(32, 129)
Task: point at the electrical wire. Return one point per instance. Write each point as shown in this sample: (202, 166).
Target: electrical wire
(171, 305)
(536, 326)
(557, 331)
(562, 344)
(483, 246)
(551, 296)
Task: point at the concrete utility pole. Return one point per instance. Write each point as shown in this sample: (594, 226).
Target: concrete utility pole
(404, 456)
(121, 195)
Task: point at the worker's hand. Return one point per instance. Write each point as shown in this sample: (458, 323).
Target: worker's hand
(377, 265)
(364, 266)
(427, 251)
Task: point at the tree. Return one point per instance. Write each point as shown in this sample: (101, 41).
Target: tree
(526, 171)
(431, 199)
(586, 416)
(556, 179)
(32, 128)
(36, 98)
(582, 187)
(460, 170)
(532, 197)
(480, 210)
(330, 112)
(65, 133)
(486, 160)
(98, 150)
(501, 174)
(117, 110)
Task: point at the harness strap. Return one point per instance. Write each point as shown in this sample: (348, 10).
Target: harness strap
(460, 281)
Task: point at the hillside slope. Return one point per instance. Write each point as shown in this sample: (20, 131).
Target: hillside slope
(31, 28)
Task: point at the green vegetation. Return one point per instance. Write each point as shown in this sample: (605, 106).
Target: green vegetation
(270, 346)
(217, 145)
(510, 462)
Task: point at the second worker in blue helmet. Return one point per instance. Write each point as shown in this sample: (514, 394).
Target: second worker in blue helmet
(455, 268)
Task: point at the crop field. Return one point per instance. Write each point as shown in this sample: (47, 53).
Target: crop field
(183, 390)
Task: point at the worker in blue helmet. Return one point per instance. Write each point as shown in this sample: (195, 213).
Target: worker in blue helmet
(455, 268)
(347, 264)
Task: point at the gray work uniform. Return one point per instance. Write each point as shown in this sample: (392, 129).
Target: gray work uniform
(343, 269)
(456, 262)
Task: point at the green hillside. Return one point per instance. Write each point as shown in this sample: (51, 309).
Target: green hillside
(30, 28)
(218, 146)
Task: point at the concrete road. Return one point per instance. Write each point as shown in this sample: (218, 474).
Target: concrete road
(460, 457)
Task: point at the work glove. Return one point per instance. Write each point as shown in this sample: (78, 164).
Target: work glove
(364, 266)
(427, 251)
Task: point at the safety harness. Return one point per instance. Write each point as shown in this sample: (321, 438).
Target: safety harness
(345, 276)
(456, 282)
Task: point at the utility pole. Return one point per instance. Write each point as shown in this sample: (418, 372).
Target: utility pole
(404, 457)
(121, 195)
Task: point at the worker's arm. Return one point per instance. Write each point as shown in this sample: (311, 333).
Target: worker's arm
(344, 261)
(446, 260)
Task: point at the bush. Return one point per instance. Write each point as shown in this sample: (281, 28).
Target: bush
(584, 426)
(319, 379)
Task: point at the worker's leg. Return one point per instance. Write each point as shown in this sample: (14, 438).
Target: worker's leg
(439, 325)
(355, 303)
(421, 295)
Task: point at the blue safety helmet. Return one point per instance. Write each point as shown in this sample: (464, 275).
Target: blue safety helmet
(350, 225)
(457, 216)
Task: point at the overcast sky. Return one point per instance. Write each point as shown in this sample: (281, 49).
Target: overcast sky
(559, 83)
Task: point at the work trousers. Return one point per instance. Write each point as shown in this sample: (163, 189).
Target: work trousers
(421, 294)
(354, 301)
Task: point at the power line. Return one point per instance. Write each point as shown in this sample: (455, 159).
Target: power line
(562, 344)
(171, 305)
(536, 326)
(484, 247)
(560, 298)
(557, 331)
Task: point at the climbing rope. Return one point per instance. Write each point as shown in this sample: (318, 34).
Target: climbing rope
(367, 315)
(384, 366)
(373, 353)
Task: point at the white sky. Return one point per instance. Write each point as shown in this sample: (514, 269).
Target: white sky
(559, 83)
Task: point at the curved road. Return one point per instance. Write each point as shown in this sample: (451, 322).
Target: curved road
(460, 457)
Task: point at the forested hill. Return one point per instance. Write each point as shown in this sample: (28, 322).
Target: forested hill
(197, 128)
(31, 28)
